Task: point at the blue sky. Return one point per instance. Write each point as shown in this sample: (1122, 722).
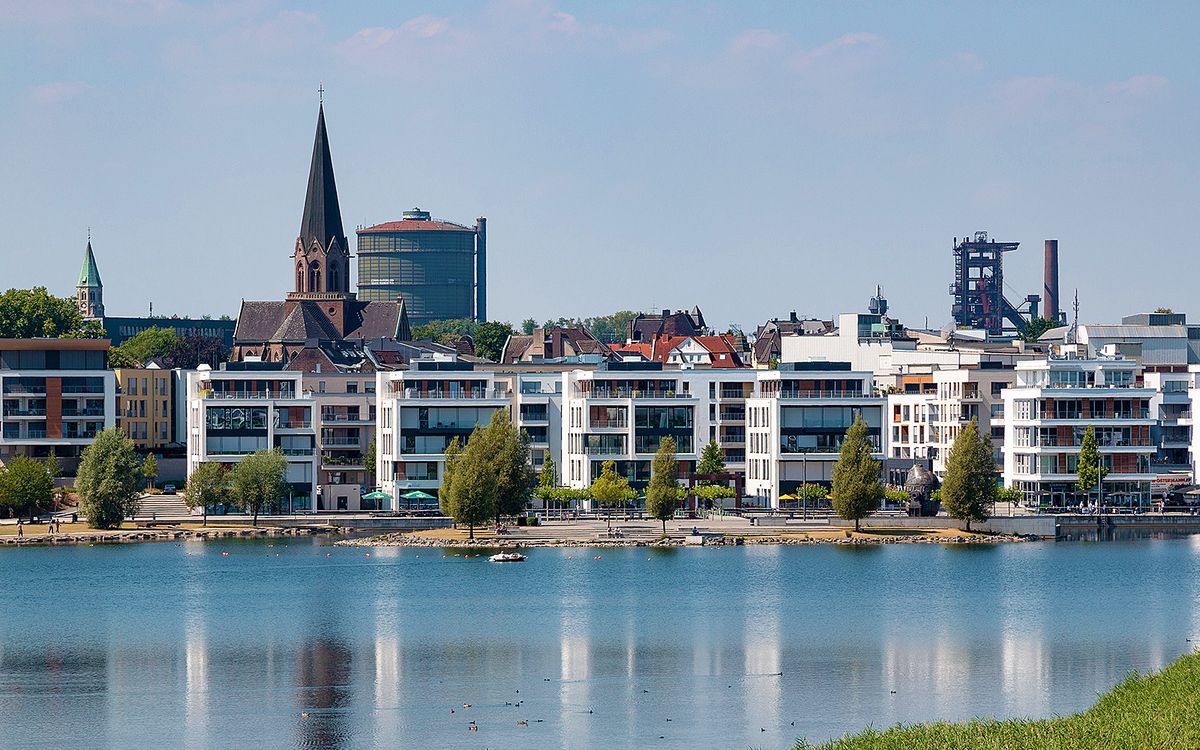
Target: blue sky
(752, 158)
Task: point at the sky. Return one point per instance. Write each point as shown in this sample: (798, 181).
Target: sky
(749, 158)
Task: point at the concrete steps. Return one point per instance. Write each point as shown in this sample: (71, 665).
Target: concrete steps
(163, 506)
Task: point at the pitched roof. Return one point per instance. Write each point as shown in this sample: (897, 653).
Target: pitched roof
(89, 275)
(322, 218)
(301, 320)
(553, 343)
(659, 349)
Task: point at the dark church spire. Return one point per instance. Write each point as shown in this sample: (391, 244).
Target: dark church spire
(322, 256)
(322, 219)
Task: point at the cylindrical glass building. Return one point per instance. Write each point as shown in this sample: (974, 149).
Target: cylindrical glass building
(436, 267)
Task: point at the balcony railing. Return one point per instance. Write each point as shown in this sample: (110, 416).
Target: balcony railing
(470, 394)
(24, 412)
(332, 417)
(298, 424)
(344, 442)
(328, 460)
(797, 395)
(83, 412)
(24, 390)
(733, 416)
(97, 389)
(631, 393)
(600, 424)
(254, 395)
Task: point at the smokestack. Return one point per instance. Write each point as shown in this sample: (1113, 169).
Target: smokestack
(1050, 282)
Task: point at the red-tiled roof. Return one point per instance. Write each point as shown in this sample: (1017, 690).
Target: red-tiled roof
(660, 347)
(417, 225)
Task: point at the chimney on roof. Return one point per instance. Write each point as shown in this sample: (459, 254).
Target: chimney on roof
(666, 312)
(794, 317)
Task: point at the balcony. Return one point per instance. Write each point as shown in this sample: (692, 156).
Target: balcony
(294, 424)
(89, 389)
(84, 413)
(252, 395)
(733, 416)
(468, 395)
(24, 390)
(347, 418)
(803, 395)
(355, 461)
(608, 424)
(344, 442)
(25, 412)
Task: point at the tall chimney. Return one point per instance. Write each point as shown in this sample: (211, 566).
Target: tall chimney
(1050, 282)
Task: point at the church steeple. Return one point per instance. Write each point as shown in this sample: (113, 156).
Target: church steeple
(89, 292)
(322, 254)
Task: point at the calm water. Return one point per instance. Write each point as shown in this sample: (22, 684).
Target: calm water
(163, 645)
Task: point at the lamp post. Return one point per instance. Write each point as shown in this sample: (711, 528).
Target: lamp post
(804, 484)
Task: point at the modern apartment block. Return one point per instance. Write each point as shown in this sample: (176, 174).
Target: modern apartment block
(256, 406)
(57, 394)
(796, 421)
(1046, 414)
(621, 411)
(421, 410)
(145, 406)
(344, 413)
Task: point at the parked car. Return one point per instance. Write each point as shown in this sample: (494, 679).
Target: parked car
(168, 489)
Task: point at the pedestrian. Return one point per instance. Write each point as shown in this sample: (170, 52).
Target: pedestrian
(20, 530)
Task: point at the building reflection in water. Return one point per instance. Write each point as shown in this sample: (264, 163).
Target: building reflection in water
(763, 656)
(388, 665)
(575, 656)
(323, 678)
(196, 686)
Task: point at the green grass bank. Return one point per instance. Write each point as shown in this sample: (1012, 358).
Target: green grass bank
(1156, 712)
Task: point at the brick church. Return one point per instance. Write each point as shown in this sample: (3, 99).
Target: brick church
(321, 310)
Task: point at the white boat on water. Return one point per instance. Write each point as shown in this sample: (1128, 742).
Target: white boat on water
(508, 557)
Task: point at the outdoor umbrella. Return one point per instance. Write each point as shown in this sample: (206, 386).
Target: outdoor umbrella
(417, 495)
(377, 495)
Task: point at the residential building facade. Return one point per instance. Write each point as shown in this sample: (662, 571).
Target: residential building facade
(1046, 414)
(146, 406)
(55, 395)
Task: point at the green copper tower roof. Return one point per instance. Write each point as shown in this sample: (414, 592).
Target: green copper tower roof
(89, 275)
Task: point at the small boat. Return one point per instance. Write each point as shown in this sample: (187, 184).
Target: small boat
(508, 557)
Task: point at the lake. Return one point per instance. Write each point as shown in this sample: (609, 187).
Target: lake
(293, 643)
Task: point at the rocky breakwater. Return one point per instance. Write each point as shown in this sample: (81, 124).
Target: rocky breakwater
(401, 539)
(161, 534)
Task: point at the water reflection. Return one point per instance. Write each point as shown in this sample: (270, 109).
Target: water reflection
(322, 679)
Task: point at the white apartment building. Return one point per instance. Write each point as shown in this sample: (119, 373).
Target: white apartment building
(796, 421)
(910, 420)
(55, 395)
(422, 409)
(1046, 414)
(621, 411)
(257, 406)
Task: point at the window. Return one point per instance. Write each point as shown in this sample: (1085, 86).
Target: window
(352, 387)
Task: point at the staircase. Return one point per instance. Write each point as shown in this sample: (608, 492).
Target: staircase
(162, 506)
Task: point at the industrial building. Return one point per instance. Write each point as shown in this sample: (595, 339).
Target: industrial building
(978, 287)
(438, 268)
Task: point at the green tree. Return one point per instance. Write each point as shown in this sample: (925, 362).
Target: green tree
(611, 489)
(712, 461)
(369, 463)
(507, 451)
(208, 485)
(547, 481)
(1036, 327)
(490, 338)
(450, 461)
(35, 313)
(150, 468)
(662, 494)
(1164, 311)
(54, 469)
(25, 486)
(1091, 471)
(154, 342)
(969, 486)
(109, 480)
(528, 325)
(468, 492)
(259, 481)
(856, 485)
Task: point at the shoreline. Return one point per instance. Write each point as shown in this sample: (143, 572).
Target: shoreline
(164, 534)
(442, 540)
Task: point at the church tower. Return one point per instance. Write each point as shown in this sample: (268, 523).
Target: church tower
(89, 292)
(321, 260)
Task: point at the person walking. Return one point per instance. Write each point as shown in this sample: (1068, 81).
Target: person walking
(20, 530)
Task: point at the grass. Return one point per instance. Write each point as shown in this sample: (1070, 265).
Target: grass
(1155, 712)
